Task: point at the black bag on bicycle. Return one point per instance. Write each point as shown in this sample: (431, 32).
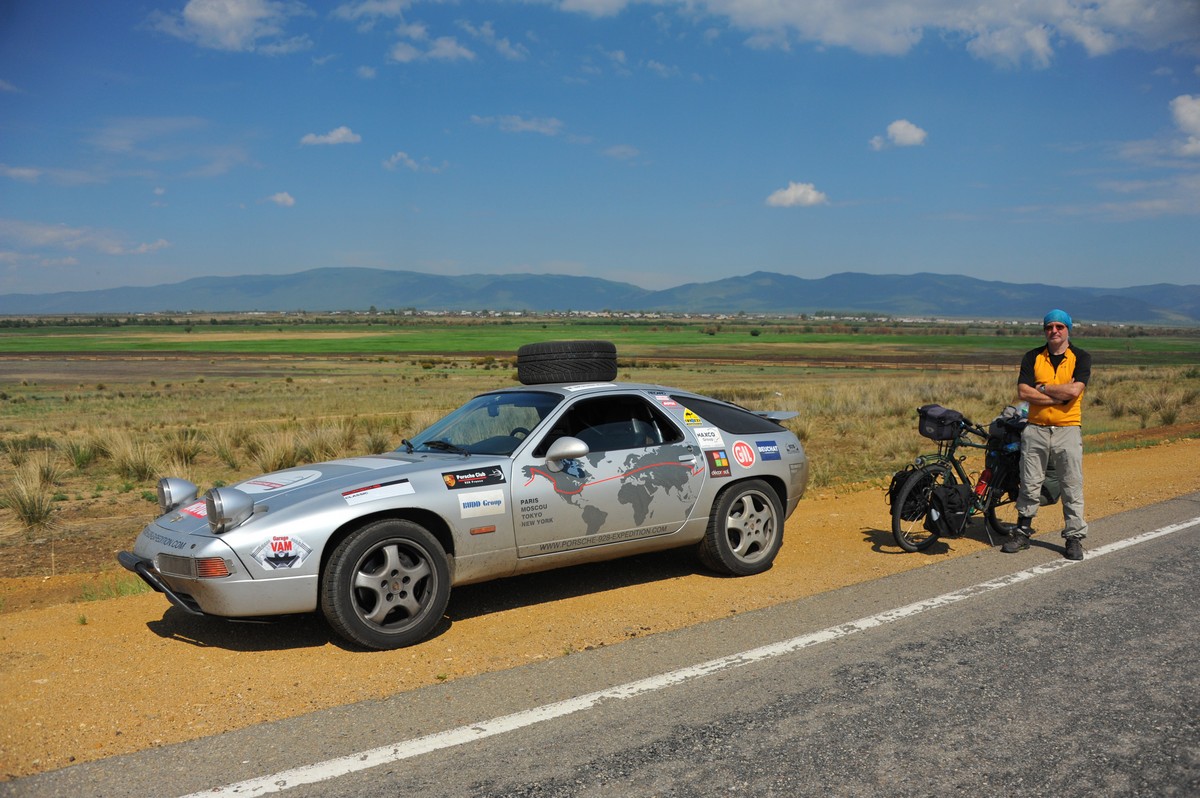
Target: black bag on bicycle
(949, 507)
(914, 508)
(938, 423)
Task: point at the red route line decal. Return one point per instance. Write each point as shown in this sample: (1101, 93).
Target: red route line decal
(539, 472)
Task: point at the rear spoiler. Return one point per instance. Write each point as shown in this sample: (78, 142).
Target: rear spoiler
(776, 415)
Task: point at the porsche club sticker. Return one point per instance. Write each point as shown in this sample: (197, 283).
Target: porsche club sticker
(481, 502)
(718, 463)
(282, 551)
(382, 490)
(477, 478)
(743, 453)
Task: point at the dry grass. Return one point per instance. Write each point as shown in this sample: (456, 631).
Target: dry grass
(857, 424)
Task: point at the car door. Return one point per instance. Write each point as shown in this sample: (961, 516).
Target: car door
(640, 478)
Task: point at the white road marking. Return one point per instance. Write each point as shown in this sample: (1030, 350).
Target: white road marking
(406, 749)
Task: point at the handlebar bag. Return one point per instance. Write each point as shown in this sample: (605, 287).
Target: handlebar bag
(938, 423)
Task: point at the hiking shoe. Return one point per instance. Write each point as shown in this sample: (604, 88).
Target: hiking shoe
(1074, 549)
(1018, 540)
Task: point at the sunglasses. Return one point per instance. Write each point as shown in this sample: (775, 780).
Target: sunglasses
(1054, 327)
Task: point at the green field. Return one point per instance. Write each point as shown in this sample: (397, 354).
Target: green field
(697, 339)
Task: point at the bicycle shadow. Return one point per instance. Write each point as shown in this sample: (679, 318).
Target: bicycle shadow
(882, 541)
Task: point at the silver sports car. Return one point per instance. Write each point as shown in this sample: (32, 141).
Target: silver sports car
(516, 480)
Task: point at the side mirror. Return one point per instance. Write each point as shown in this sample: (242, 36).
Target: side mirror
(565, 448)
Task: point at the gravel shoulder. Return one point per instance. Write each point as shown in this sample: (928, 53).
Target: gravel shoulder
(85, 681)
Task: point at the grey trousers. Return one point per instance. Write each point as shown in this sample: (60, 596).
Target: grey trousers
(1064, 447)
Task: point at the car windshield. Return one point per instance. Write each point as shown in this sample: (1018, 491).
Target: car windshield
(494, 423)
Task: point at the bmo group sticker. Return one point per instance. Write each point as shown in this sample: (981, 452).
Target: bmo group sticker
(743, 453)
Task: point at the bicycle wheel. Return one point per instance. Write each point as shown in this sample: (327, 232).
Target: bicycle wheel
(911, 507)
(1000, 511)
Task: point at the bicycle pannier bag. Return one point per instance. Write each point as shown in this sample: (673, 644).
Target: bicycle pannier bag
(939, 423)
(949, 506)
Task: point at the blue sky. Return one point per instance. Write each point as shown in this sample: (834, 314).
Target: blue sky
(651, 141)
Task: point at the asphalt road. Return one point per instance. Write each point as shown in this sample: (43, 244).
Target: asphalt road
(990, 674)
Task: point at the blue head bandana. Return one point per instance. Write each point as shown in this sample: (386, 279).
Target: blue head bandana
(1059, 316)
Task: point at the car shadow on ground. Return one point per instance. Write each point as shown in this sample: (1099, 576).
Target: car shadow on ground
(268, 634)
(469, 601)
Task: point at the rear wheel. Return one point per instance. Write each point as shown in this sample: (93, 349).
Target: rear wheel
(1000, 513)
(745, 530)
(386, 585)
(911, 507)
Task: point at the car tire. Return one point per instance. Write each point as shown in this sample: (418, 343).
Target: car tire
(386, 585)
(566, 361)
(745, 530)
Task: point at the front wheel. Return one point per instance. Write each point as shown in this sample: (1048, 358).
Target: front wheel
(386, 585)
(910, 509)
(745, 530)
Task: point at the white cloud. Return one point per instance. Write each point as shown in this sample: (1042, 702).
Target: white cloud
(6, 86)
(235, 25)
(1005, 33)
(39, 236)
(282, 199)
(803, 195)
(622, 152)
(900, 133)
(366, 72)
(487, 34)
(26, 174)
(401, 158)
(547, 126)
(339, 135)
(1186, 110)
(371, 9)
(447, 48)
(443, 48)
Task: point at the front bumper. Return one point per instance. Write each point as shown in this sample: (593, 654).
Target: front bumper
(145, 570)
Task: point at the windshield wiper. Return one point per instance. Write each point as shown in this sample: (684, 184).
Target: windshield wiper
(446, 446)
(408, 447)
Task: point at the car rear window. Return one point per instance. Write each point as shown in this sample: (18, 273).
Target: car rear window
(729, 418)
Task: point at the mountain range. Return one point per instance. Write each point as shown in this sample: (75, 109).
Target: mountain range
(922, 295)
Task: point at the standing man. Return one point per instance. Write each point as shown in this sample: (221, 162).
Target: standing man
(1052, 381)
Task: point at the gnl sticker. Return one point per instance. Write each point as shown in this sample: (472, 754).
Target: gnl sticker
(743, 453)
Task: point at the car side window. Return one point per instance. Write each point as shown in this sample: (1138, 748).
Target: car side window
(610, 423)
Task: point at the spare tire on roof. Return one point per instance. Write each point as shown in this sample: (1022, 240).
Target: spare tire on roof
(566, 361)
